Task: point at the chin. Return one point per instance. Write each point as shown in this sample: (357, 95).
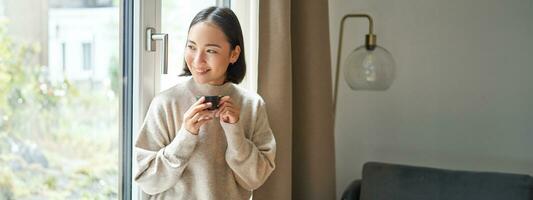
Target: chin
(206, 80)
(202, 80)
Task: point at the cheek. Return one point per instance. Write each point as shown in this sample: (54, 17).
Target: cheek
(219, 62)
(188, 59)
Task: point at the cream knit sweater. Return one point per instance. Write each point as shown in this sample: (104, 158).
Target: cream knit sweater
(224, 161)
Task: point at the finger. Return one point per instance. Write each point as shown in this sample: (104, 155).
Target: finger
(206, 113)
(225, 99)
(232, 111)
(228, 104)
(232, 117)
(201, 122)
(225, 103)
(217, 112)
(223, 106)
(220, 108)
(229, 115)
(194, 118)
(199, 108)
(190, 114)
(224, 118)
(199, 101)
(222, 111)
(199, 115)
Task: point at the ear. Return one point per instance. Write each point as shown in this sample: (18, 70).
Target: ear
(234, 55)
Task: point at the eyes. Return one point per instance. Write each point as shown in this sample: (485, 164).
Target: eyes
(191, 47)
(211, 51)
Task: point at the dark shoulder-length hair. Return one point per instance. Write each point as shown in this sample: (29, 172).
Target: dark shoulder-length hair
(227, 21)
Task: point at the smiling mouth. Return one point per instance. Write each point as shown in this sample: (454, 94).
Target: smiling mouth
(202, 71)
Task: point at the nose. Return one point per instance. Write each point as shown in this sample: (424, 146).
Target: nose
(198, 57)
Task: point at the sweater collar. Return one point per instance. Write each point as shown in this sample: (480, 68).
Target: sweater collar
(207, 89)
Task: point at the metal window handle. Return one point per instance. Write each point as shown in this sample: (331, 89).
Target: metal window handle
(151, 37)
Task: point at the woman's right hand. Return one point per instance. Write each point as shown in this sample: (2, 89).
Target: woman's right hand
(197, 115)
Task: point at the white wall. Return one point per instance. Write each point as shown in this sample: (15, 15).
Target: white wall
(35, 12)
(75, 26)
(463, 97)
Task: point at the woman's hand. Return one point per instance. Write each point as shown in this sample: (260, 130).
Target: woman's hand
(197, 115)
(228, 111)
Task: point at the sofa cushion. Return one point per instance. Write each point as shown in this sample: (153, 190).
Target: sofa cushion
(383, 181)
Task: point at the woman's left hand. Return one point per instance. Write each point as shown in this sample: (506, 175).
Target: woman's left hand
(228, 111)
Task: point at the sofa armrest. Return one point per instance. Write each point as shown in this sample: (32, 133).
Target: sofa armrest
(352, 191)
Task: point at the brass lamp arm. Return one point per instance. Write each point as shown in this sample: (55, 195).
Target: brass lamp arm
(370, 43)
(370, 21)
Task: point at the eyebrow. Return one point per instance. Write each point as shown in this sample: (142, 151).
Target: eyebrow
(213, 45)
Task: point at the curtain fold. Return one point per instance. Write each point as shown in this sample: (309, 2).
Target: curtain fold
(275, 86)
(295, 81)
(313, 128)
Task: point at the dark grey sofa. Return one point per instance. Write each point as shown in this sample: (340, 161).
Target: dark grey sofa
(383, 181)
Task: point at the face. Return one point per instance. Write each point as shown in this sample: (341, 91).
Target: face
(208, 53)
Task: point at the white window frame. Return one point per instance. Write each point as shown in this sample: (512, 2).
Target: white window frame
(248, 13)
(146, 76)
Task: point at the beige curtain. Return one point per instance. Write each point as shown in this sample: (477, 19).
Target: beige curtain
(295, 81)
(275, 86)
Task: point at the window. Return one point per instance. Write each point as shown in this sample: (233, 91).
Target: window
(59, 126)
(59, 129)
(63, 57)
(175, 19)
(87, 56)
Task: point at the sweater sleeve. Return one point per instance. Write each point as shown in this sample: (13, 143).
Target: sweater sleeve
(161, 154)
(251, 159)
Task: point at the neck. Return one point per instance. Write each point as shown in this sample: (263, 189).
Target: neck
(209, 89)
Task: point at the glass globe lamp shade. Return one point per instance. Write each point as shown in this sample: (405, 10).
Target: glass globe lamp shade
(369, 69)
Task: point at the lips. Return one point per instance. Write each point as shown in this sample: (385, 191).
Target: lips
(202, 71)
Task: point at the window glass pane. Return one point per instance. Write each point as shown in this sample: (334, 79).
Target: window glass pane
(87, 56)
(59, 100)
(176, 17)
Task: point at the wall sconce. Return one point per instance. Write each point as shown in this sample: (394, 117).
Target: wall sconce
(369, 66)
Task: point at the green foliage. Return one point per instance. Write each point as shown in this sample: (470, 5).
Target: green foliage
(51, 183)
(6, 183)
(24, 89)
(69, 124)
(116, 2)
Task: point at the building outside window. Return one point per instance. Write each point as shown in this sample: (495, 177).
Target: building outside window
(87, 56)
(59, 99)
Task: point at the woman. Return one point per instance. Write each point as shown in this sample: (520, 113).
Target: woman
(185, 150)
